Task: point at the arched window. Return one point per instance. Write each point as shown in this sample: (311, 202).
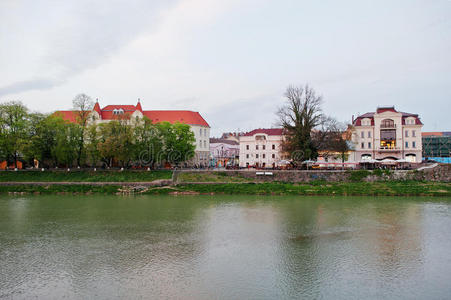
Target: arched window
(388, 123)
(366, 157)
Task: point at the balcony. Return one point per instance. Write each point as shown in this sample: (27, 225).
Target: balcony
(388, 126)
(389, 149)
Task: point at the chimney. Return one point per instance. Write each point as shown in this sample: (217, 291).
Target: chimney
(352, 119)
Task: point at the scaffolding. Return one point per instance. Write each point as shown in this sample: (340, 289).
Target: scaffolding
(436, 146)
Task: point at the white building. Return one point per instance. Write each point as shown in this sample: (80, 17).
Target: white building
(387, 134)
(261, 148)
(198, 125)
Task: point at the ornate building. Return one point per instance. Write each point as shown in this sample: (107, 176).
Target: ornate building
(387, 134)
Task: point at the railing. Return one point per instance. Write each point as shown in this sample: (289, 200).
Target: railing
(388, 125)
(388, 149)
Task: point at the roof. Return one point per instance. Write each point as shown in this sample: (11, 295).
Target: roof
(379, 110)
(157, 116)
(173, 116)
(223, 141)
(131, 108)
(68, 115)
(268, 131)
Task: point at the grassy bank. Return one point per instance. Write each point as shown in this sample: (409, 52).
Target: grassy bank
(222, 177)
(84, 176)
(392, 188)
(382, 188)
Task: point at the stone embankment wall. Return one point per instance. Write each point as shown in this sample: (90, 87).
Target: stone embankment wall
(440, 173)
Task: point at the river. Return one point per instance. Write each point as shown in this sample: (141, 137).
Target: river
(224, 247)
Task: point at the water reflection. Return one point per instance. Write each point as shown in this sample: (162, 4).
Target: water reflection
(224, 247)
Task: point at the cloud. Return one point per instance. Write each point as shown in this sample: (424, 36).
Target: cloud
(28, 85)
(69, 38)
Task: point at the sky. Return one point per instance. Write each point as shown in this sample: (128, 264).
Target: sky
(230, 60)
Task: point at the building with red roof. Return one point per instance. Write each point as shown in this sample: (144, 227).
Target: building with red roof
(199, 126)
(261, 148)
(387, 134)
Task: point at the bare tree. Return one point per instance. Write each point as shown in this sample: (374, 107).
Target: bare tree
(83, 105)
(298, 117)
(331, 138)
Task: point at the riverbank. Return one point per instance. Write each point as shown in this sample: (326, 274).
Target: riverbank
(434, 182)
(84, 176)
(382, 188)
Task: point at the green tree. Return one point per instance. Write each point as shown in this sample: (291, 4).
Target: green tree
(47, 133)
(178, 145)
(116, 142)
(14, 123)
(83, 105)
(91, 144)
(65, 150)
(148, 142)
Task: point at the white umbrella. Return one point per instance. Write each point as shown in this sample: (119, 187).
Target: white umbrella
(308, 162)
(283, 162)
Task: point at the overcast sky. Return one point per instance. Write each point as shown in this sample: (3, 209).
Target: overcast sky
(230, 60)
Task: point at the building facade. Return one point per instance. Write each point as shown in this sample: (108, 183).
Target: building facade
(261, 148)
(224, 152)
(387, 134)
(134, 113)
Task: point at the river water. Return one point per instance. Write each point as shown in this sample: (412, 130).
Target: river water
(224, 247)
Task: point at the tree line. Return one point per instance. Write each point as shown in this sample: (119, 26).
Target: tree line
(27, 136)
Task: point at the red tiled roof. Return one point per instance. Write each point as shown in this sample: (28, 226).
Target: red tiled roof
(437, 133)
(382, 109)
(97, 108)
(172, 116)
(68, 115)
(358, 120)
(124, 107)
(268, 131)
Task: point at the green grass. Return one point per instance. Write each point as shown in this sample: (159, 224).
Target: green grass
(394, 188)
(84, 176)
(211, 177)
(385, 188)
(59, 189)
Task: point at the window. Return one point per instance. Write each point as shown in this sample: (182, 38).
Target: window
(200, 132)
(369, 134)
(205, 132)
(362, 134)
(407, 144)
(264, 155)
(256, 155)
(273, 147)
(407, 133)
(414, 144)
(414, 133)
(362, 145)
(205, 144)
(200, 144)
(256, 147)
(369, 145)
(247, 147)
(388, 123)
(264, 147)
(247, 155)
(273, 155)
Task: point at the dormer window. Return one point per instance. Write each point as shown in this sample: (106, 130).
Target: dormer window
(119, 111)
